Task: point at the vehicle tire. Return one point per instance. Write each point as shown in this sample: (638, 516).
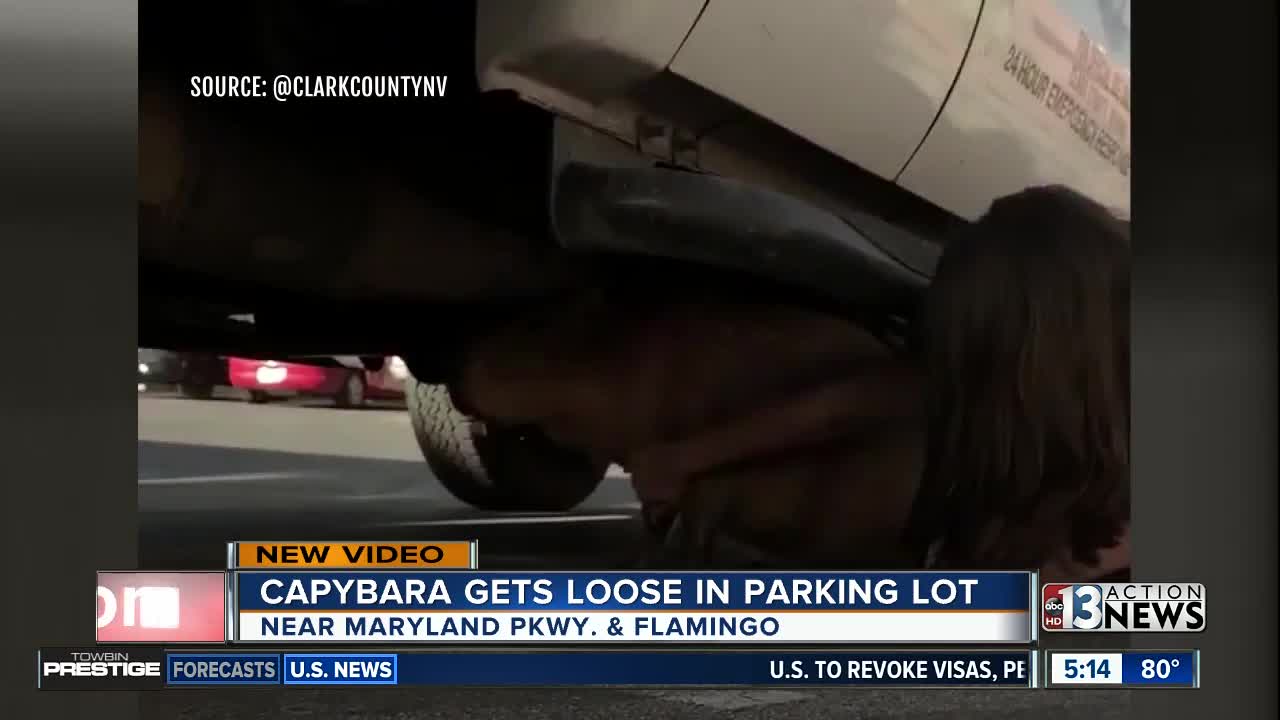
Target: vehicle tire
(352, 394)
(258, 397)
(199, 375)
(502, 469)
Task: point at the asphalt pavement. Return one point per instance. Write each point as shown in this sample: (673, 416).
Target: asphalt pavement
(222, 469)
(219, 470)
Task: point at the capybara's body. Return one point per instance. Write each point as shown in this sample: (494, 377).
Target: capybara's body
(790, 429)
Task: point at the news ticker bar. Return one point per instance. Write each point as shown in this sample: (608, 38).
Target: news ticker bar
(139, 668)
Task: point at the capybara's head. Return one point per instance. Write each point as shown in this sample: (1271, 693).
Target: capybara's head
(1025, 336)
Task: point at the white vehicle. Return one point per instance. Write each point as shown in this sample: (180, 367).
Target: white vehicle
(828, 144)
(954, 102)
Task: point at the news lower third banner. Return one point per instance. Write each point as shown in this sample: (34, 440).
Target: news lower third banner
(417, 607)
(138, 668)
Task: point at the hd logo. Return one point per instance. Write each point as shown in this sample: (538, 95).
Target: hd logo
(1122, 607)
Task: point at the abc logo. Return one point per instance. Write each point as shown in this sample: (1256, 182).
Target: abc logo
(1053, 612)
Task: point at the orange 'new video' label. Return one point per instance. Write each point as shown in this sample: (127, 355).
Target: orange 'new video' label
(452, 554)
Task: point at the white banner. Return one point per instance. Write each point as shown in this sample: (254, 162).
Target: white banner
(836, 627)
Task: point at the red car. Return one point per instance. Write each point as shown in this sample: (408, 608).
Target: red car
(348, 386)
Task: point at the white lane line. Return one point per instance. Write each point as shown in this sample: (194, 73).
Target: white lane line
(230, 477)
(514, 520)
(727, 699)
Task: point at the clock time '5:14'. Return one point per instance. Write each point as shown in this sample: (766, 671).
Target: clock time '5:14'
(1091, 668)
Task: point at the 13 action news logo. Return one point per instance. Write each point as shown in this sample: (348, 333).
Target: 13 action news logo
(1123, 607)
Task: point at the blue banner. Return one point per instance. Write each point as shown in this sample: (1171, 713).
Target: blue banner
(340, 669)
(1161, 669)
(618, 591)
(645, 669)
